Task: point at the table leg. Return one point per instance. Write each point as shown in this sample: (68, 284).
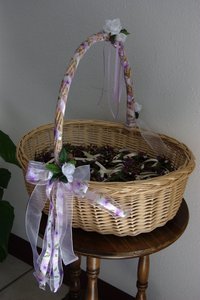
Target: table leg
(75, 288)
(142, 282)
(93, 268)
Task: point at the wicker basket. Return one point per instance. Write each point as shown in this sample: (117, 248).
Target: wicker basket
(151, 202)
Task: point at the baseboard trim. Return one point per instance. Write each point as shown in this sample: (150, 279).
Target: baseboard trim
(21, 249)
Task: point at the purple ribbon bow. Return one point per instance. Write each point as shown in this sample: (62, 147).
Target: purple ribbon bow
(57, 243)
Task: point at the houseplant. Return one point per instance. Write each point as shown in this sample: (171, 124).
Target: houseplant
(8, 154)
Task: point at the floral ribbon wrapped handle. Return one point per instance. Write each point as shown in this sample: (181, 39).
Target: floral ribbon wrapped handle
(114, 33)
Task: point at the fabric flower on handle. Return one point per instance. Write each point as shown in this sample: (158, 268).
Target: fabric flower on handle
(68, 170)
(114, 28)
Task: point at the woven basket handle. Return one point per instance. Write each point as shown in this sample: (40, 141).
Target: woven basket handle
(66, 83)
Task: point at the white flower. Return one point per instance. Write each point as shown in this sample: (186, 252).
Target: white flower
(137, 107)
(112, 26)
(121, 37)
(68, 170)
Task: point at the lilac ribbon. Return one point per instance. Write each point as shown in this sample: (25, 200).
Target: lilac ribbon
(57, 243)
(115, 97)
(152, 139)
(117, 89)
(106, 71)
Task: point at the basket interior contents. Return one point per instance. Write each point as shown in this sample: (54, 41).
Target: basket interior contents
(108, 164)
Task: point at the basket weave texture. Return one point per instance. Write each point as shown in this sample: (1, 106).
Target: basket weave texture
(151, 203)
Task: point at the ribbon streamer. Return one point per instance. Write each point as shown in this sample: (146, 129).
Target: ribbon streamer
(152, 139)
(114, 97)
(117, 89)
(57, 243)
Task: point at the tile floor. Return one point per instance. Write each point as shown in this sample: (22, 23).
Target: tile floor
(18, 283)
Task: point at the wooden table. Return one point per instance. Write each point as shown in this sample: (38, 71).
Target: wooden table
(96, 246)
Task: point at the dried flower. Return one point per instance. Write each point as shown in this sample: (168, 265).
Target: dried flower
(106, 164)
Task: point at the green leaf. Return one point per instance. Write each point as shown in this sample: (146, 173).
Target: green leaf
(63, 156)
(112, 38)
(124, 31)
(8, 149)
(63, 178)
(55, 169)
(55, 177)
(5, 176)
(6, 223)
(72, 161)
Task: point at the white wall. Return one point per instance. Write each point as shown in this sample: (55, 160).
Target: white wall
(37, 39)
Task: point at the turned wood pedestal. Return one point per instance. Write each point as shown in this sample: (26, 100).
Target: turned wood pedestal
(96, 247)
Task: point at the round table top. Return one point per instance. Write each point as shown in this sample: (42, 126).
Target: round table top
(114, 247)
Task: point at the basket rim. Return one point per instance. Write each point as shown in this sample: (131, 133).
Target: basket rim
(188, 153)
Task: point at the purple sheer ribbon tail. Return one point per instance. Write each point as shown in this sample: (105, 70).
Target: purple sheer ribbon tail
(107, 204)
(64, 206)
(104, 89)
(117, 89)
(114, 97)
(32, 219)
